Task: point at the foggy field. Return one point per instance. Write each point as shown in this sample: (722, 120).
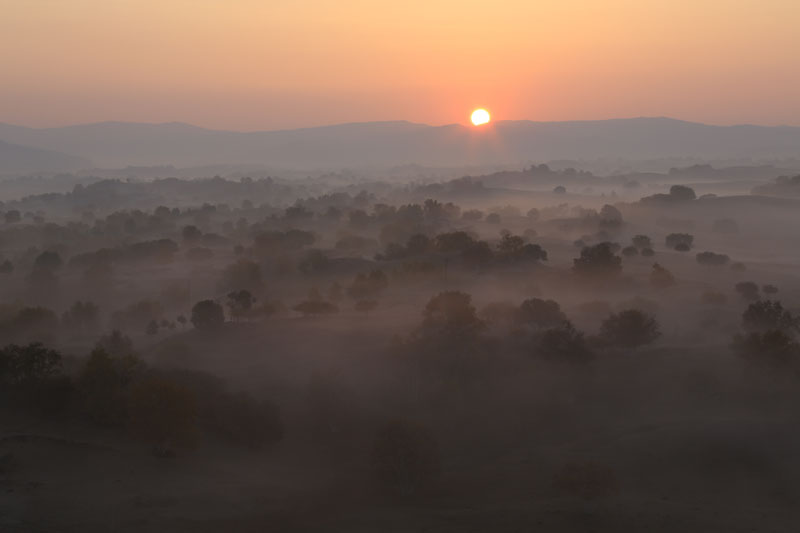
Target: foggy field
(463, 354)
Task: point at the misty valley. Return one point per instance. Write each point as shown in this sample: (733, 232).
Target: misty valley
(539, 349)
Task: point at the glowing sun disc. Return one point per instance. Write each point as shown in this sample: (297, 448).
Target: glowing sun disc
(480, 116)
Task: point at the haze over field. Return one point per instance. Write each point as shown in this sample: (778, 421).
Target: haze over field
(422, 266)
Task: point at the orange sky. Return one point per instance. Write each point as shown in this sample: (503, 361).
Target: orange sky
(266, 64)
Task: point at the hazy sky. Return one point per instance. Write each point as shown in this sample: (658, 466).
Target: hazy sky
(266, 64)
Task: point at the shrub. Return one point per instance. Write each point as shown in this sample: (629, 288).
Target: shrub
(629, 329)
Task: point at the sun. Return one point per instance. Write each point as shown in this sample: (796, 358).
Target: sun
(480, 116)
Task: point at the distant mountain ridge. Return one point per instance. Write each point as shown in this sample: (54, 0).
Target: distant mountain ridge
(119, 144)
(25, 159)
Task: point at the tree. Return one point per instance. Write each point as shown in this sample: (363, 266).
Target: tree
(478, 254)
(152, 328)
(660, 277)
(456, 241)
(48, 260)
(418, 244)
(207, 315)
(769, 289)
(27, 365)
(33, 375)
(31, 324)
(240, 302)
(679, 241)
(629, 329)
(164, 414)
(191, 234)
(103, 385)
(541, 313)
(712, 259)
(747, 290)
(769, 315)
(405, 457)
(116, 344)
(641, 242)
(12, 217)
(563, 343)
(452, 314)
(682, 193)
(82, 315)
(773, 348)
(598, 261)
(610, 217)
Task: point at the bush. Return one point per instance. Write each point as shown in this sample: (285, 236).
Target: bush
(103, 385)
(630, 251)
(712, 259)
(629, 329)
(660, 277)
(207, 315)
(747, 290)
(598, 261)
(541, 313)
(682, 240)
(772, 348)
(768, 315)
(564, 343)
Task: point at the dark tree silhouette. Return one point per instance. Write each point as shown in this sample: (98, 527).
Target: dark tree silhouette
(747, 290)
(240, 303)
(682, 193)
(629, 329)
(207, 315)
(563, 343)
(641, 242)
(769, 315)
(541, 313)
(773, 348)
(712, 259)
(103, 384)
(679, 241)
(451, 313)
(660, 277)
(598, 261)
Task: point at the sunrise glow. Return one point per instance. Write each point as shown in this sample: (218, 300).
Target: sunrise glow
(480, 116)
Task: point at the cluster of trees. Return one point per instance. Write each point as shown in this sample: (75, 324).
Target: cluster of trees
(112, 387)
(770, 336)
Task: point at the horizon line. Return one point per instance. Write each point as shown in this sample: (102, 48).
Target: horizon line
(386, 122)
